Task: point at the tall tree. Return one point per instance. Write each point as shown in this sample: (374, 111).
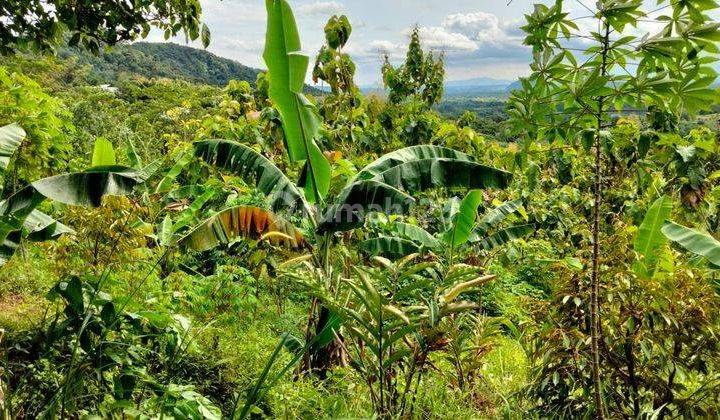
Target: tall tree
(420, 77)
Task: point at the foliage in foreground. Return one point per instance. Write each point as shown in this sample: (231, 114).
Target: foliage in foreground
(252, 268)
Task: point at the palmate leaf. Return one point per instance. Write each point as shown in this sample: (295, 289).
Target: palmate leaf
(287, 68)
(245, 162)
(11, 136)
(694, 241)
(242, 221)
(649, 238)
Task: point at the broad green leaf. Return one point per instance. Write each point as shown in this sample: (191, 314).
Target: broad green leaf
(497, 215)
(41, 227)
(649, 238)
(79, 188)
(205, 35)
(245, 162)
(13, 213)
(287, 68)
(464, 220)
(10, 138)
(166, 231)
(415, 234)
(88, 188)
(363, 198)
(694, 241)
(389, 247)
(420, 175)
(408, 154)
(181, 161)
(387, 190)
(103, 153)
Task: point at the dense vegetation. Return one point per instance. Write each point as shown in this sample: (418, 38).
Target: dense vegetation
(176, 249)
(151, 60)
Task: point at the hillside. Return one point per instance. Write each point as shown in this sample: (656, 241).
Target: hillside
(161, 60)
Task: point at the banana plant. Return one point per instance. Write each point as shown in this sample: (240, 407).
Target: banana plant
(19, 217)
(385, 185)
(463, 225)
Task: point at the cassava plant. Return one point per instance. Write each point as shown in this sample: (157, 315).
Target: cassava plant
(569, 98)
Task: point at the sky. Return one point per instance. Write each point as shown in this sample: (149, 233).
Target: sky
(480, 38)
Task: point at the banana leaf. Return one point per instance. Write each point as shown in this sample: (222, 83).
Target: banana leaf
(181, 161)
(87, 188)
(409, 154)
(41, 227)
(420, 175)
(287, 68)
(13, 212)
(464, 220)
(504, 236)
(242, 221)
(251, 165)
(694, 241)
(388, 190)
(416, 234)
(103, 153)
(389, 247)
(80, 188)
(497, 215)
(11, 136)
(650, 238)
(363, 198)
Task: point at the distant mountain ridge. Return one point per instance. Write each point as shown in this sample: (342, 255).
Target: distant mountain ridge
(161, 60)
(477, 81)
(478, 86)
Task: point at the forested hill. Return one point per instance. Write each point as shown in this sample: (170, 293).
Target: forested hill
(161, 60)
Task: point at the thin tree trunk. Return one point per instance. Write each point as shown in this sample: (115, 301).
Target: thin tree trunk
(595, 282)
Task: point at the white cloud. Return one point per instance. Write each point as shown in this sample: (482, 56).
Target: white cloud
(483, 27)
(375, 49)
(471, 24)
(321, 8)
(438, 38)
